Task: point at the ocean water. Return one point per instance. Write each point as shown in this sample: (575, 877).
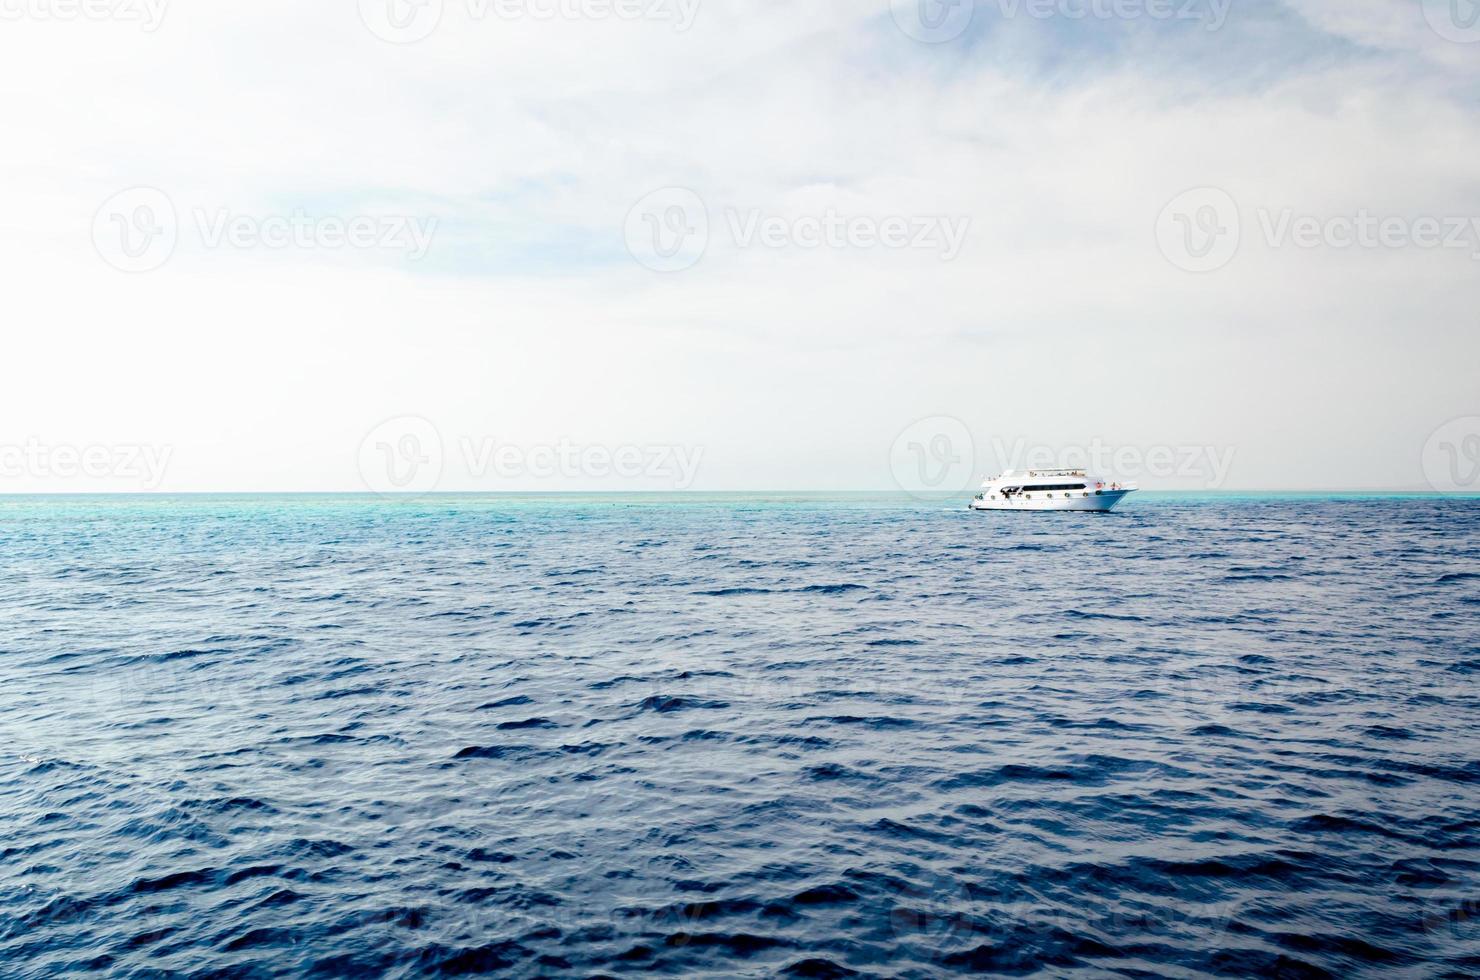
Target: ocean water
(739, 736)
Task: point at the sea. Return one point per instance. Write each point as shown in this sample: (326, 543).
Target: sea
(746, 735)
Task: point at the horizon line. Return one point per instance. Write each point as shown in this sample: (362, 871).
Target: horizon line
(944, 494)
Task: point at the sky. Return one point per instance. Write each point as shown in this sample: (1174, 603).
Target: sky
(414, 245)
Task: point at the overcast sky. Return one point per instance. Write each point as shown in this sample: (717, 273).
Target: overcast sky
(712, 244)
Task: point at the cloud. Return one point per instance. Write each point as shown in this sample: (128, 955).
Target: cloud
(1057, 143)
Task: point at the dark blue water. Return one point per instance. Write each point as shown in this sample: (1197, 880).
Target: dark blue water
(739, 737)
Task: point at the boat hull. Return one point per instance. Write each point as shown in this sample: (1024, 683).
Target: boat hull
(1101, 501)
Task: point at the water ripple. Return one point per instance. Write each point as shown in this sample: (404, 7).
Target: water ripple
(760, 737)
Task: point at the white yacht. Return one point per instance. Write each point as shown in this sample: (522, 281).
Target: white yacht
(1049, 490)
